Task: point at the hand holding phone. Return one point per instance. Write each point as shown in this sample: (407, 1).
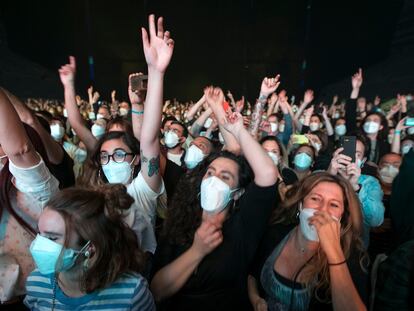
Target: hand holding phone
(348, 143)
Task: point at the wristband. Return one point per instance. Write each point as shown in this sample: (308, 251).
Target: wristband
(337, 263)
(137, 112)
(397, 132)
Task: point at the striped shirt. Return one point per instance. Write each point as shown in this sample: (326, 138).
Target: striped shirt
(129, 292)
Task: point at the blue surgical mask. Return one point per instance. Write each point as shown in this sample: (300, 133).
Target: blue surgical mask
(80, 155)
(405, 149)
(118, 173)
(340, 130)
(97, 130)
(302, 161)
(46, 254)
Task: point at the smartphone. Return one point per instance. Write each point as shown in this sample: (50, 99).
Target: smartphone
(139, 83)
(299, 139)
(409, 122)
(349, 145)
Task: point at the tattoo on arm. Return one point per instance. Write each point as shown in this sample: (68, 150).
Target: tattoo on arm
(153, 164)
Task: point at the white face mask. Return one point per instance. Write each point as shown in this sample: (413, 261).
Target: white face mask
(314, 126)
(65, 113)
(371, 127)
(273, 126)
(215, 194)
(171, 139)
(99, 116)
(57, 131)
(308, 231)
(317, 146)
(388, 173)
(340, 130)
(410, 130)
(336, 115)
(208, 123)
(193, 156)
(281, 128)
(97, 131)
(302, 120)
(274, 157)
(360, 163)
(123, 112)
(118, 173)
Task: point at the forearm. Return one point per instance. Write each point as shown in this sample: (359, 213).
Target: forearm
(329, 128)
(396, 143)
(199, 123)
(171, 278)
(344, 294)
(137, 119)
(265, 171)
(193, 110)
(354, 93)
(13, 138)
(252, 290)
(256, 117)
(300, 110)
(75, 119)
(270, 109)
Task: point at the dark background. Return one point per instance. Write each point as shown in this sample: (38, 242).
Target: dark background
(233, 44)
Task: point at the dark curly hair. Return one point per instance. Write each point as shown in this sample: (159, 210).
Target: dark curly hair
(184, 210)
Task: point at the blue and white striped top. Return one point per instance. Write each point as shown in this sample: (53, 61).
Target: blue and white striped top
(129, 292)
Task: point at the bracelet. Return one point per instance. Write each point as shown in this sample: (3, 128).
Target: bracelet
(137, 112)
(397, 132)
(337, 263)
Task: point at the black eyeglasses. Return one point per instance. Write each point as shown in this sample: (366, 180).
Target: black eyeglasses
(118, 156)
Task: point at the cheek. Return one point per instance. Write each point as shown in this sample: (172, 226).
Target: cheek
(336, 212)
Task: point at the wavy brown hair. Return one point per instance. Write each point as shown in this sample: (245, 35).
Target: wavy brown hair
(351, 225)
(96, 215)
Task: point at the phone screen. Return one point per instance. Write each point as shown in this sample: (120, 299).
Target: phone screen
(349, 145)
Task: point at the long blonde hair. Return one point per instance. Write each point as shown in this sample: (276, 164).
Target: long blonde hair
(351, 226)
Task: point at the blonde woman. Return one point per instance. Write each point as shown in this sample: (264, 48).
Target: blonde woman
(320, 261)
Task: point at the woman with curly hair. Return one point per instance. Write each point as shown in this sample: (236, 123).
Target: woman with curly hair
(317, 260)
(214, 223)
(85, 254)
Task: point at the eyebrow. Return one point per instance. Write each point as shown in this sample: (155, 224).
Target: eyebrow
(53, 233)
(225, 172)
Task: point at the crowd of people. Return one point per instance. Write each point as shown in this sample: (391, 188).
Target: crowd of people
(220, 204)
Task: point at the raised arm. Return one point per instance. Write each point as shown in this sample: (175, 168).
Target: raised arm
(158, 50)
(53, 149)
(269, 85)
(13, 138)
(215, 98)
(351, 114)
(199, 123)
(193, 110)
(396, 141)
(265, 172)
(328, 124)
(67, 76)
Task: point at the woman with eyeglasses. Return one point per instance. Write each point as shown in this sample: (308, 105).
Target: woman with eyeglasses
(118, 156)
(86, 257)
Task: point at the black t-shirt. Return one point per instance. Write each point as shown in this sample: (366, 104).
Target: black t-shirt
(64, 171)
(220, 280)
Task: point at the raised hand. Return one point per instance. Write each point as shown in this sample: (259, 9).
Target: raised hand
(113, 96)
(339, 162)
(401, 125)
(377, 100)
(95, 97)
(234, 123)
(308, 97)
(240, 105)
(357, 79)
(158, 46)
(67, 72)
(269, 85)
(214, 96)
